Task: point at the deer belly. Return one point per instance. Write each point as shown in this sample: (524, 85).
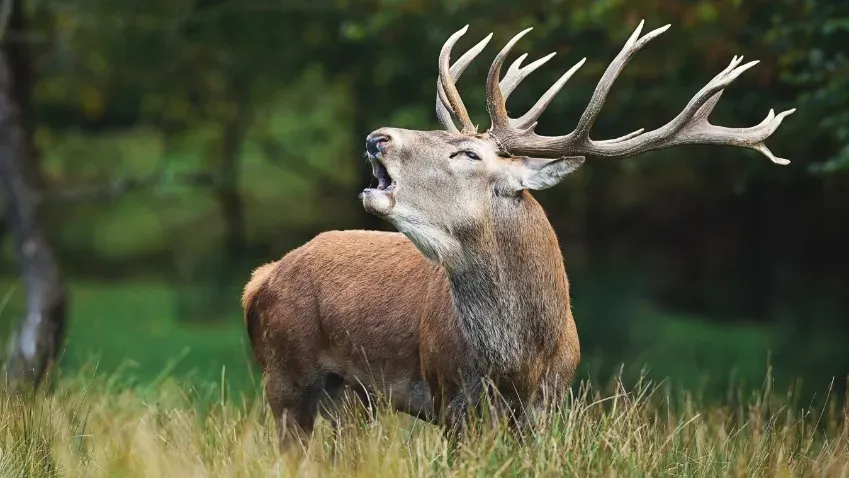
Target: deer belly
(391, 381)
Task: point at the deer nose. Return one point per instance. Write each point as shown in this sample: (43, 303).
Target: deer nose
(375, 141)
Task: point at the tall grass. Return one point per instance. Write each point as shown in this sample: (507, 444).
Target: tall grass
(98, 428)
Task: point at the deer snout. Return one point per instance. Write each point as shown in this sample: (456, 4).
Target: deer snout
(376, 141)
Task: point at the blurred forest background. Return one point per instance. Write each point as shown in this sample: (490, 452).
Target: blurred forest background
(170, 146)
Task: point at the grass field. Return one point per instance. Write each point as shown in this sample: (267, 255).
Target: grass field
(98, 428)
(140, 393)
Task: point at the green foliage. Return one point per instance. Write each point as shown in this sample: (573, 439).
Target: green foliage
(815, 35)
(292, 155)
(704, 358)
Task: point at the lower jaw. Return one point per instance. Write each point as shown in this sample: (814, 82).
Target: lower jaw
(379, 202)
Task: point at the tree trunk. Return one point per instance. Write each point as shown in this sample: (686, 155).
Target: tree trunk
(19, 62)
(214, 279)
(36, 343)
(227, 191)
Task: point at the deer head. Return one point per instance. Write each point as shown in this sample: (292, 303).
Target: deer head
(445, 188)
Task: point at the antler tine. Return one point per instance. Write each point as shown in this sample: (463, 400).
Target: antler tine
(529, 119)
(494, 97)
(632, 134)
(516, 73)
(452, 96)
(703, 102)
(632, 46)
(690, 126)
(443, 107)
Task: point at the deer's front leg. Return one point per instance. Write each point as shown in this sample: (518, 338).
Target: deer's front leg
(458, 410)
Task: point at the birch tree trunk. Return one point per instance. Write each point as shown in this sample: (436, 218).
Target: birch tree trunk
(35, 345)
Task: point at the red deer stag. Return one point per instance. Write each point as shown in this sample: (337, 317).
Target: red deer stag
(474, 287)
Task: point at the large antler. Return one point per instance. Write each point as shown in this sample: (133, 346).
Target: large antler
(691, 126)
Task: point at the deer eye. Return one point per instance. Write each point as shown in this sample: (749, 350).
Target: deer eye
(469, 154)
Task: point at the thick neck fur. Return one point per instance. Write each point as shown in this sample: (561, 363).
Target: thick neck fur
(510, 287)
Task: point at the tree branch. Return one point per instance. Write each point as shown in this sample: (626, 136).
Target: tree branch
(5, 14)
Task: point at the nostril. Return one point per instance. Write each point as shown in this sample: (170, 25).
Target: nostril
(374, 143)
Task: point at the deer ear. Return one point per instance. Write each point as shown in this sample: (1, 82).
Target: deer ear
(539, 173)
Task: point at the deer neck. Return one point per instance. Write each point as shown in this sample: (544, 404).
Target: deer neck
(509, 286)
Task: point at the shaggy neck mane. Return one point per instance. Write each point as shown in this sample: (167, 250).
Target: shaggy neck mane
(509, 287)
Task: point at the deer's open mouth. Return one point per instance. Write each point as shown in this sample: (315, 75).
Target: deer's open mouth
(384, 180)
(379, 200)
